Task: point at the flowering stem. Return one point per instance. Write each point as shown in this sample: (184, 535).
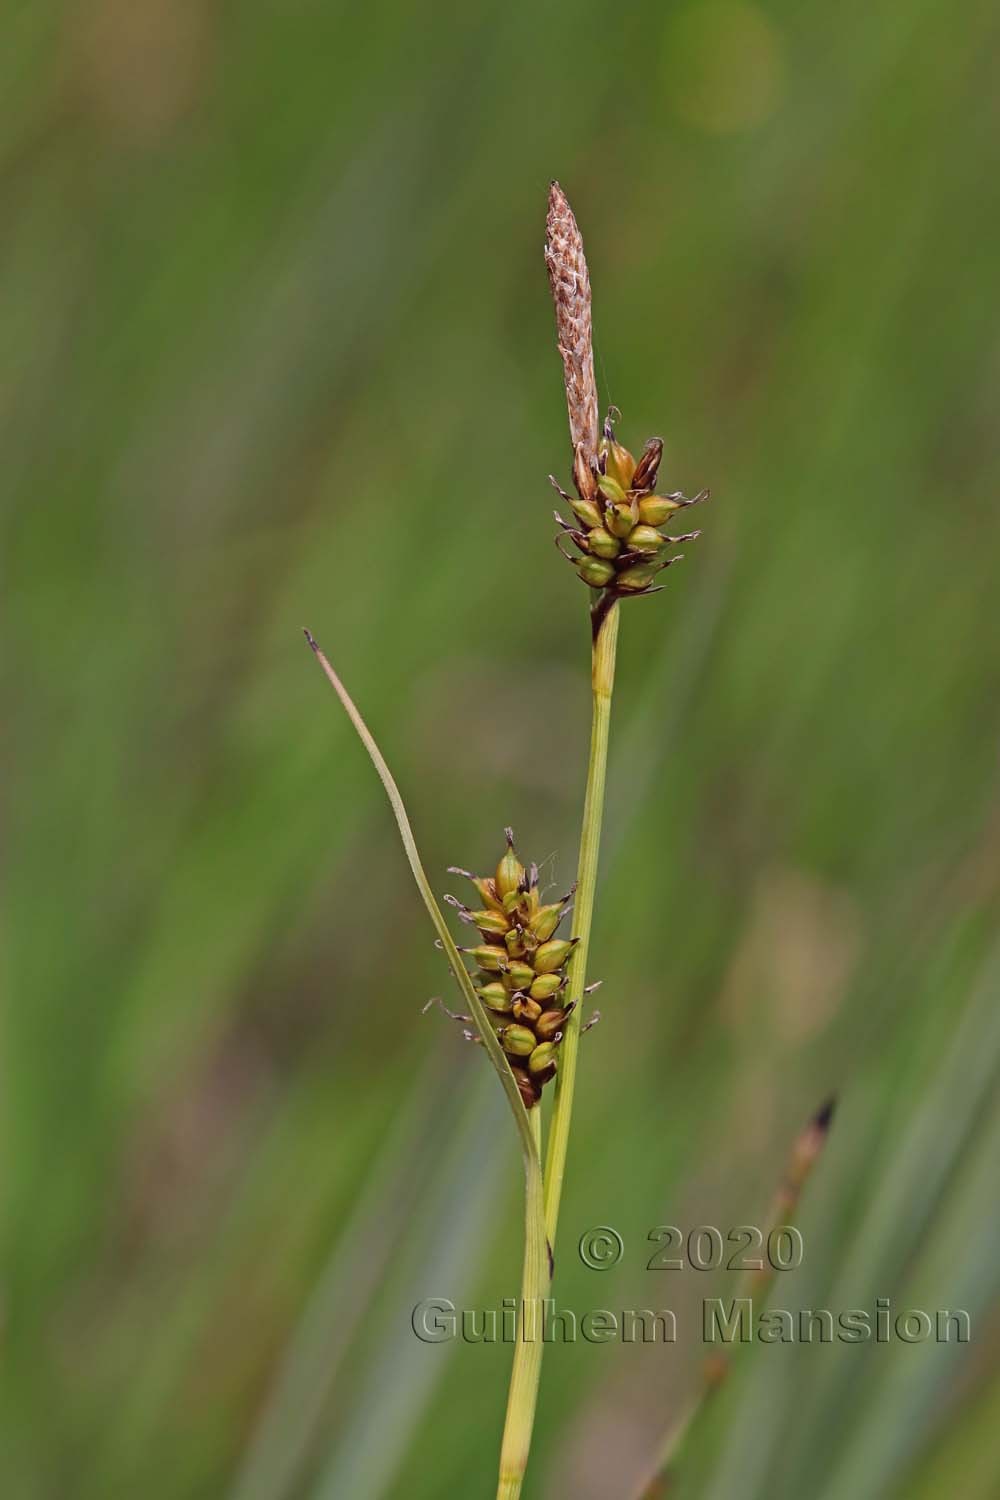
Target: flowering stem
(603, 674)
(527, 1368)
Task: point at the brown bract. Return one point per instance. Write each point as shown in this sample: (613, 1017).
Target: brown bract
(570, 283)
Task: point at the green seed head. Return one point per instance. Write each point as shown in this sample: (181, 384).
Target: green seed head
(619, 515)
(521, 965)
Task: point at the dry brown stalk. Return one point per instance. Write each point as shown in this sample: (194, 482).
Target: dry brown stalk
(805, 1153)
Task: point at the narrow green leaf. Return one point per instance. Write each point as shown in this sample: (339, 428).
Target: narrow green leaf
(494, 1050)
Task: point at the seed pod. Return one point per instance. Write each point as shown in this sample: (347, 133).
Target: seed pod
(602, 543)
(489, 957)
(549, 1023)
(519, 1041)
(529, 1088)
(610, 488)
(621, 516)
(487, 889)
(633, 580)
(553, 954)
(519, 976)
(586, 512)
(654, 509)
(490, 922)
(646, 469)
(620, 465)
(495, 996)
(484, 886)
(514, 941)
(527, 1010)
(546, 985)
(510, 871)
(545, 921)
(645, 539)
(487, 892)
(594, 571)
(543, 1057)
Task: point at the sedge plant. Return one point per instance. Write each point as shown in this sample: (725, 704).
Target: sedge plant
(523, 983)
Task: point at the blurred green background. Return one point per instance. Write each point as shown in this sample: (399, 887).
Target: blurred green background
(278, 350)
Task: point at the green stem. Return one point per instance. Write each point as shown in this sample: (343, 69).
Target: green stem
(526, 1370)
(603, 675)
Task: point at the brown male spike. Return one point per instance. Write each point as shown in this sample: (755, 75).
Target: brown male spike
(570, 283)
